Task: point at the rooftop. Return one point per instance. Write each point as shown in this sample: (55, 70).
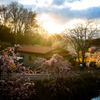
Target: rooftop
(35, 49)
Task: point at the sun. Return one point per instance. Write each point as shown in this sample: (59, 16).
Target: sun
(49, 24)
(51, 27)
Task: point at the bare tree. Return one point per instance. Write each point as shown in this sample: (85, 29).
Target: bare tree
(81, 36)
(16, 12)
(30, 22)
(4, 14)
(22, 19)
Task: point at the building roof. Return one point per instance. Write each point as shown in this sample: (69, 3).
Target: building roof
(35, 49)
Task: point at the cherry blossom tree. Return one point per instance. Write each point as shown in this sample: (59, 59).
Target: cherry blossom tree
(58, 69)
(13, 86)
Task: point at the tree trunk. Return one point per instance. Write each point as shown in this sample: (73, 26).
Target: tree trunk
(83, 58)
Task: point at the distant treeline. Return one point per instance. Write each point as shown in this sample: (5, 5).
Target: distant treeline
(6, 35)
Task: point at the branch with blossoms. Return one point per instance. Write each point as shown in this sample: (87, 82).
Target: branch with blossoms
(56, 67)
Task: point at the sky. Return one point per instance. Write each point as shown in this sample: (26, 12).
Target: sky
(57, 15)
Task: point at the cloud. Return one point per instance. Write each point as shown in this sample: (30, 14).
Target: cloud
(64, 15)
(58, 2)
(83, 4)
(5, 2)
(61, 2)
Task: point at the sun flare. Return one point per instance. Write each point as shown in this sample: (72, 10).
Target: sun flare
(51, 27)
